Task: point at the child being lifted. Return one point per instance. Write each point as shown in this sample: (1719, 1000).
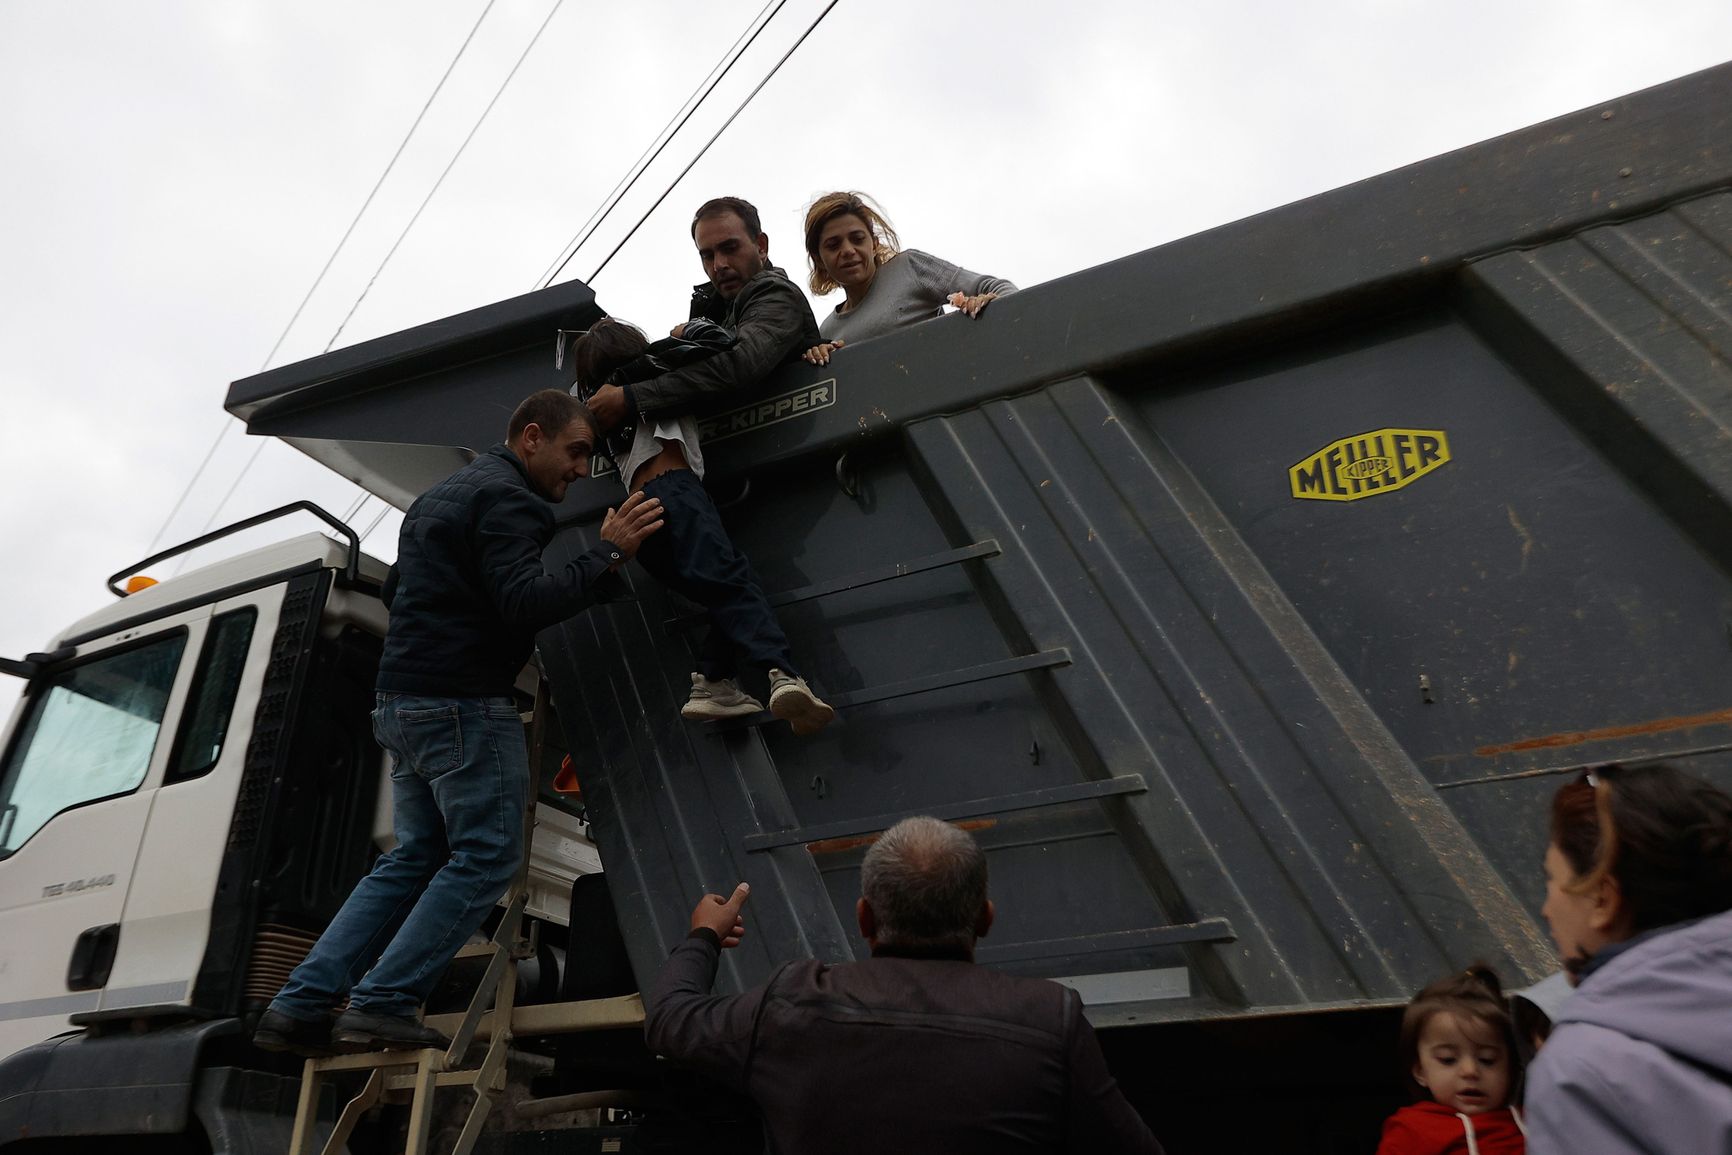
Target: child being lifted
(693, 554)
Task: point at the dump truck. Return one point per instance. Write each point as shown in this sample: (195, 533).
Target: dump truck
(1246, 597)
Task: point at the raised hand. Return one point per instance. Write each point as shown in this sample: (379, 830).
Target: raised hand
(722, 915)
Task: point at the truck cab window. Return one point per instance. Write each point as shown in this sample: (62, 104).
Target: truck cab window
(212, 700)
(87, 734)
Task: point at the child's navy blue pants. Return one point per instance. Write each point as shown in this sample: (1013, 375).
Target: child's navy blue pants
(693, 555)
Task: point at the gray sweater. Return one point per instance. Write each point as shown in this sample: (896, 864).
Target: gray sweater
(910, 287)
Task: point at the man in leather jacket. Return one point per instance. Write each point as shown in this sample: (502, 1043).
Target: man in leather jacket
(950, 1056)
(767, 312)
(771, 324)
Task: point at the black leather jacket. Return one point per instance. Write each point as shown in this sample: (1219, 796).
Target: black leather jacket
(774, 324)
(938, 1054)
(702, 338)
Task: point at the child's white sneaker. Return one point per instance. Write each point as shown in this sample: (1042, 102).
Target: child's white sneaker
(793, 701)
(721, 698)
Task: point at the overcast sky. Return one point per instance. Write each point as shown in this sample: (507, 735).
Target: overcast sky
(174, 174)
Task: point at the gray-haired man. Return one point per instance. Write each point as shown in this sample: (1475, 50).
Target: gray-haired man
(954, 1057)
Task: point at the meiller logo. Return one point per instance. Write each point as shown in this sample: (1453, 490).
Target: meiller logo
(1369, 464)
(783, 407)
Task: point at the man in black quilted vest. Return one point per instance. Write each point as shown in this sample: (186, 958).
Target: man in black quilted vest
(468, 594)
(942, 1054)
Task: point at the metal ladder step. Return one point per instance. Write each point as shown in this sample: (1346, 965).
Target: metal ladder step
(924, 684)
(542, 1019)
(1204, 930)
(973, 808)
(433, 1068)
(870, 577)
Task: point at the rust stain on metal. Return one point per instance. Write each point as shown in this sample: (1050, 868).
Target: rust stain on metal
(855, 842)
(1577, 737)
(1522, 531)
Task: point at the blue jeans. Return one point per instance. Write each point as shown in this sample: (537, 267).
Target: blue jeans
(459, 781)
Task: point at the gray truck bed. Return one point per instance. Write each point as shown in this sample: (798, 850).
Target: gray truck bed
(1247, 596)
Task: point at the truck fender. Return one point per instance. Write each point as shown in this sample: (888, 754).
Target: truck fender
(119, 1084)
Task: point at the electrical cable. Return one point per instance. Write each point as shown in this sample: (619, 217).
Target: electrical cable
(318, 280)
(552, 12)
(251, 461)
(228, 423)
(533, 40)
(378, 184)
(810, 28)
(670, 130)
(368, 532)
(180, 563)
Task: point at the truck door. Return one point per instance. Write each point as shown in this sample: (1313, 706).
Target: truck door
(167, 918)
(89, 748)
(265, 816)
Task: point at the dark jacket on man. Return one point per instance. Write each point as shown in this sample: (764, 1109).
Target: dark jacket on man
(774, 324)
(898, 1054)
(470, 591)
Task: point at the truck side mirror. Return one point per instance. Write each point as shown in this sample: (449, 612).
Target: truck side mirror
(32, 664)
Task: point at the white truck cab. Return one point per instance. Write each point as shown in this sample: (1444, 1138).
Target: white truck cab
(189, 786)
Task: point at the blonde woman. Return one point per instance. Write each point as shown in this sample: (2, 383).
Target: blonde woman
(852, 247)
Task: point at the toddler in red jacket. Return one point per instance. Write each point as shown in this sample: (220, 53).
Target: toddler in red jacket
(1458, 1044)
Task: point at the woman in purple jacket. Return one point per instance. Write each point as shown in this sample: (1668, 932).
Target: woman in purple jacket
(1639, 899)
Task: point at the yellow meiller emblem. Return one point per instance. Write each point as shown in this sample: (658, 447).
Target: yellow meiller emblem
(1369, 464)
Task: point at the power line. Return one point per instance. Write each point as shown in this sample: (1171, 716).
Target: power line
(318, 280)
(180, 564)
(228, 423)
(406, 228)
(374, 524)
(251, 461)
(554, 11)
(810, 28)
(670, 130)
(378, 184)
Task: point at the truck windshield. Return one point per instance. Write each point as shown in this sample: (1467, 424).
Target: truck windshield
(87, 734)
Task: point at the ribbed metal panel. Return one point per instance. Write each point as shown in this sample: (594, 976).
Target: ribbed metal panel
(1642, 310)
(1277, 800)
